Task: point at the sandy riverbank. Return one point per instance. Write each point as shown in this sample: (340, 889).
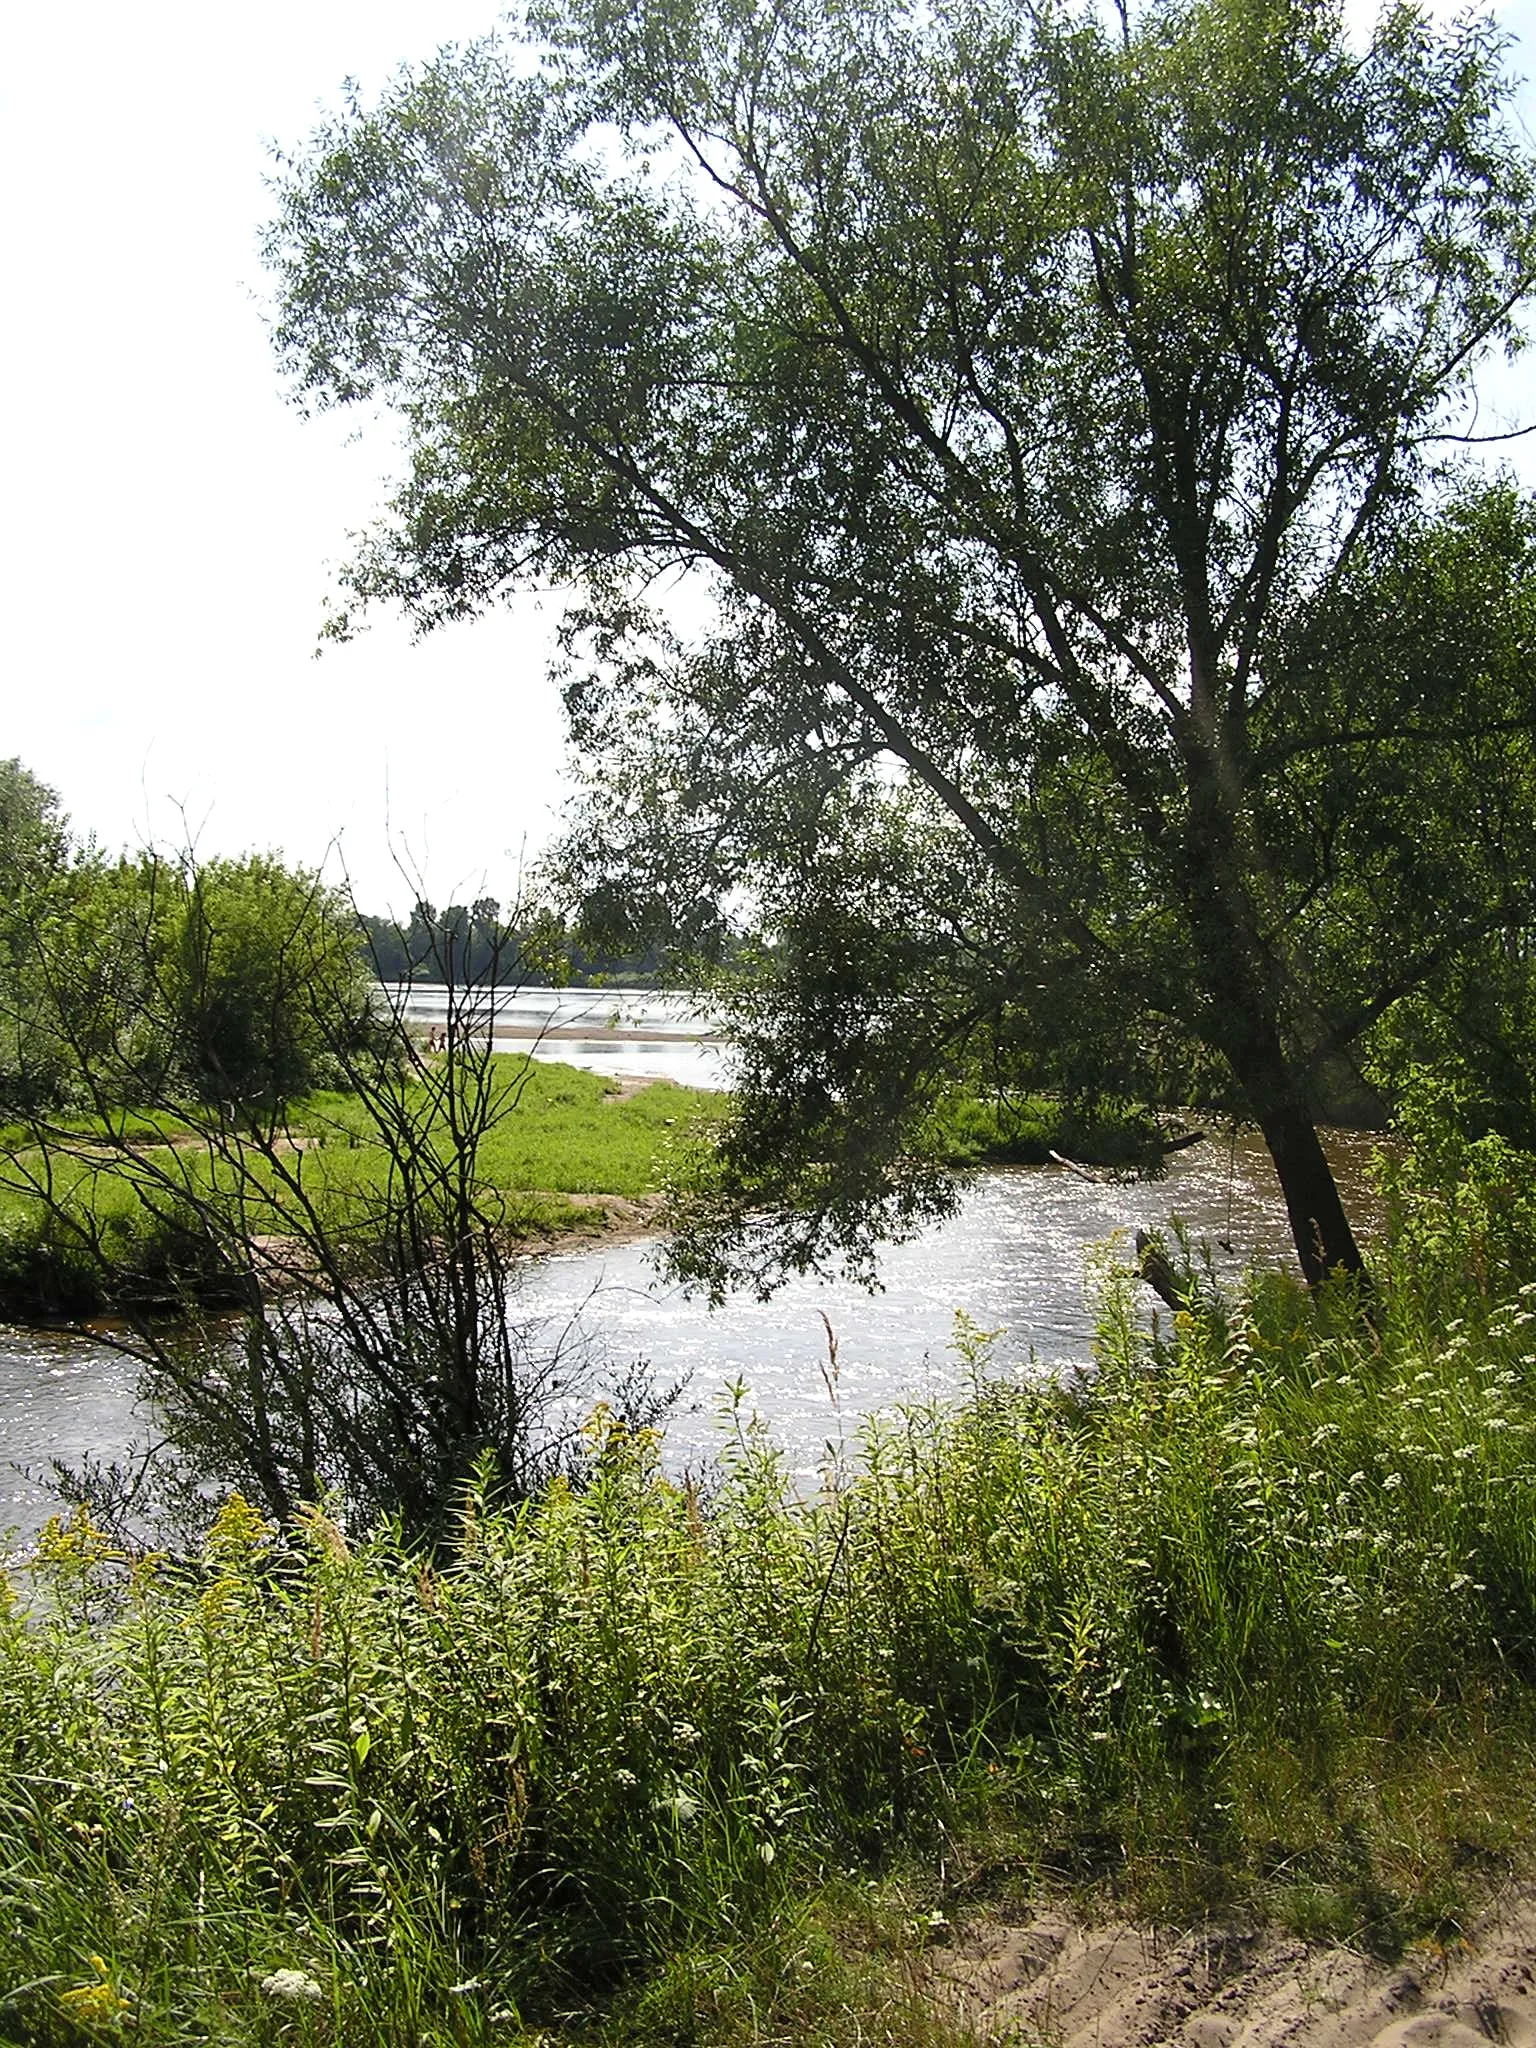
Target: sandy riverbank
(1076, 1985)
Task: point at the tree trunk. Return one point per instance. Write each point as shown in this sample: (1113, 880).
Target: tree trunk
(1244, 980)
(1324, 1241)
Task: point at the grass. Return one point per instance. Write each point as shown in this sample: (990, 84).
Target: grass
(1244, 1623)
(565, 1130)
(557, 1132)
(976, 1129)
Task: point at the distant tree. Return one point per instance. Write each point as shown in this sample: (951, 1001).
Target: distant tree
(230, 982)
(1048, 396)
(34, 838)
(35, 862)
(264, 978)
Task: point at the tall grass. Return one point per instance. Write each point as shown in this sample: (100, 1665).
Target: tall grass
(1246, 1619)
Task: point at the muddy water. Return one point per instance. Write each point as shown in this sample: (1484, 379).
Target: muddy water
(1014, 1258)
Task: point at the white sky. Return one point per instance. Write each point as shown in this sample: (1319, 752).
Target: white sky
(169, 526)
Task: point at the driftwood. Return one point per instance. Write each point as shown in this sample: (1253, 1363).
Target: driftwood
(1083, 1172)
(1154, 1266)
(1112, 1176)
(1183, 1141)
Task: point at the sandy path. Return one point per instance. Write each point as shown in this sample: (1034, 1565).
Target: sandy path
(1060, 1983)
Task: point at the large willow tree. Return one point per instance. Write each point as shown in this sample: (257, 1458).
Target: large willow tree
(1055, 406)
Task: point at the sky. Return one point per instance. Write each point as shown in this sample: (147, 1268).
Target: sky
(170, 526)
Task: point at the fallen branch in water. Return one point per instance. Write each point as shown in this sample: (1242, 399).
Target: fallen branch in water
(1154, 1266)
(1118, 1176)
(1083, 1172)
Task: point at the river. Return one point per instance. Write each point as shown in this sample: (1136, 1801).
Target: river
(1014, 1258)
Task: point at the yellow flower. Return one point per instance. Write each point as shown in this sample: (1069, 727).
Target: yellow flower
(95, 2005)
(76, 1544)
(238, 1534)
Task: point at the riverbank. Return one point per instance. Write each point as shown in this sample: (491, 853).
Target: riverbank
(574, 1157)
(1240, 1632)
(567, 1157)
(1059, 1977)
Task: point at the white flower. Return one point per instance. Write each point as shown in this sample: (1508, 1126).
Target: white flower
(292, 1987)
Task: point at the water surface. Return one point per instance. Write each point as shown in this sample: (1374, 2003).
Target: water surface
(1014, 1258)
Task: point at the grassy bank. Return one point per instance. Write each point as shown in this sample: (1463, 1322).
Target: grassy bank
(558, 1140)
(557, 1133)
(1245, 1622)
(975, 1129)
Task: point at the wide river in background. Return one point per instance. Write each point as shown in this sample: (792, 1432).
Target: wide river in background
(1015, 1258)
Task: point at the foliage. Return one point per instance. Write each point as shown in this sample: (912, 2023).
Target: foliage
(34, 866)
(231, 982)
(1097, 649)
(1160, 1629)
(265, 986)
(974, 1129)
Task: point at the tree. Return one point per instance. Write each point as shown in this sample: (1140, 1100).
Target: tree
(269, 994)
(1045, 397)
(236, 983)
(34, 870)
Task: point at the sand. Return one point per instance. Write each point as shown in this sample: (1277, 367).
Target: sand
(1059, 1982)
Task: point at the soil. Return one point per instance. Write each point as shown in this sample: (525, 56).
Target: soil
(1063, 1984)
(616, 1219)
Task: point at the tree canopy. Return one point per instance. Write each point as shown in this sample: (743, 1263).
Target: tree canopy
(1103, 664)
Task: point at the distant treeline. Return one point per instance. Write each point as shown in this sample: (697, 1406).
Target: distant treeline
(470, 942)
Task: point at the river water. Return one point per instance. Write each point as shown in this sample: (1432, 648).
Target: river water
(609, 1031)
(1015, 1258)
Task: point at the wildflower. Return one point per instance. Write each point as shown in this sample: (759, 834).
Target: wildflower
(239, 1534)
(1392, 1482)
(291, 1987)
(95, 2005)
